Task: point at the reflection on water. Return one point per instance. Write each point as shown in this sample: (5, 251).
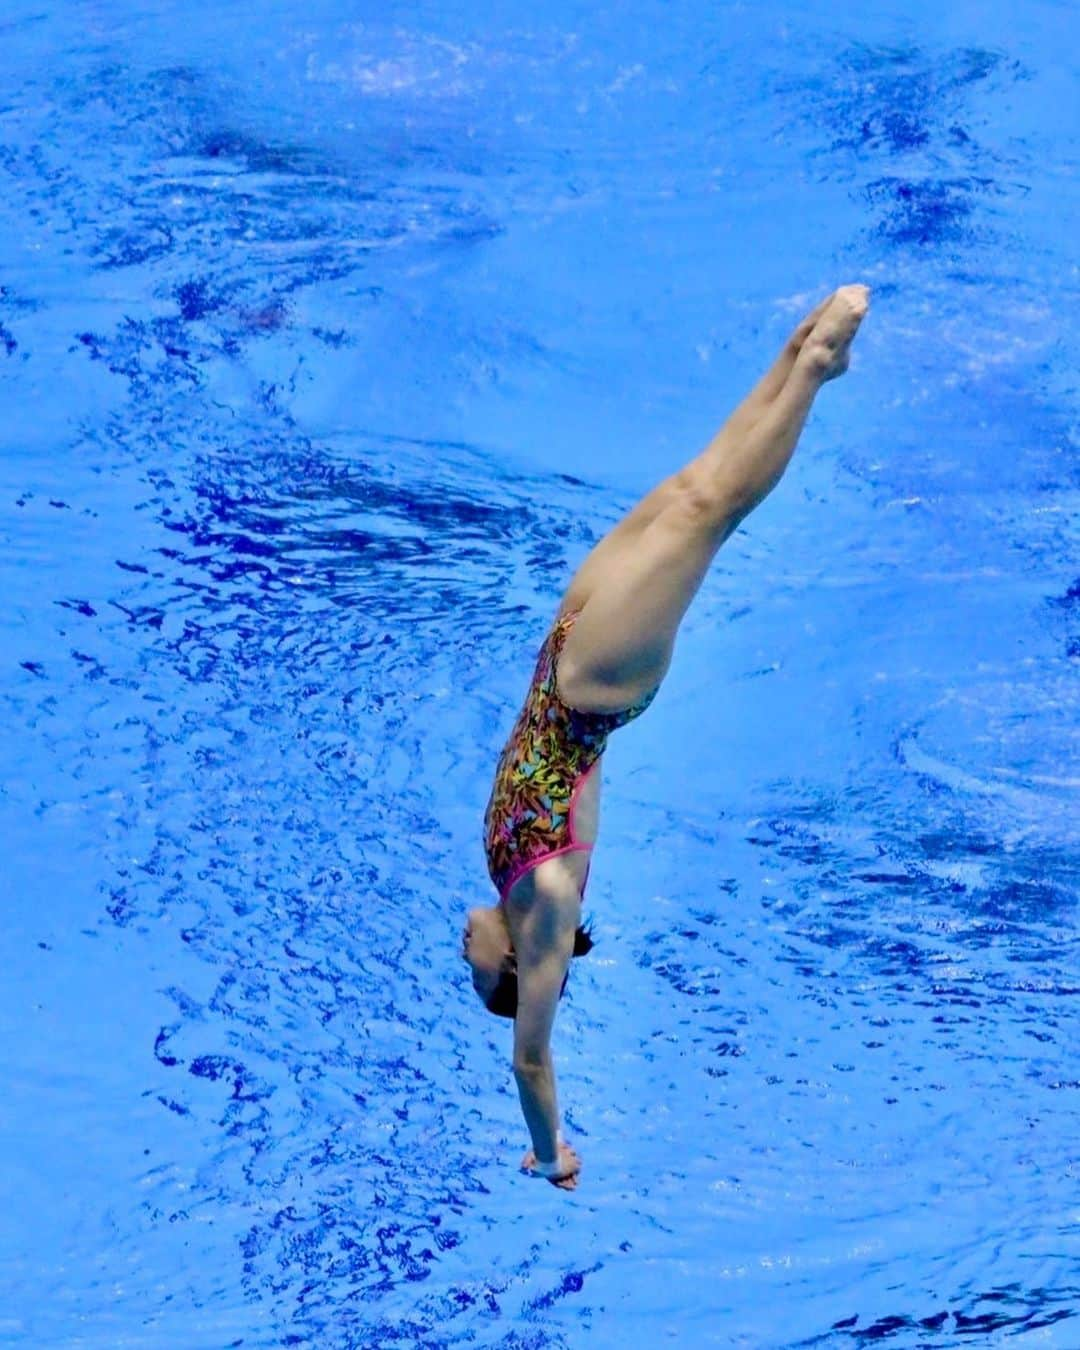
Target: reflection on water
(327, 350)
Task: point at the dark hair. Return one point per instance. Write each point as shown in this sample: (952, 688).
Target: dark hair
(503, 1002)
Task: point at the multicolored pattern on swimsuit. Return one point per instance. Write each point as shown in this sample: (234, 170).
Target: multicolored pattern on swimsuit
(549, 751)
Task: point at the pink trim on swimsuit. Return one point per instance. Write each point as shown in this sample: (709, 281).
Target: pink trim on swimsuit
(549, 755)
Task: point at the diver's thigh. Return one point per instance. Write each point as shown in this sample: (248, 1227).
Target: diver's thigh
(608, 553)
(624, 636)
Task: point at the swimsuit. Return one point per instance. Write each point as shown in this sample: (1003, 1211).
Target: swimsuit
(543, 767)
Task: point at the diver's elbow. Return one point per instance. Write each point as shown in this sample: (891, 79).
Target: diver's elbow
(530, 1064)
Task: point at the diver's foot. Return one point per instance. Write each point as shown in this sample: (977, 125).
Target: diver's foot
(826, 349)
(806, 326)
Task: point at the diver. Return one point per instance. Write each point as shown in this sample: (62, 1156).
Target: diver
(600, 667)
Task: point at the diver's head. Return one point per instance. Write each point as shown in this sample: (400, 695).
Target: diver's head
(487, 948)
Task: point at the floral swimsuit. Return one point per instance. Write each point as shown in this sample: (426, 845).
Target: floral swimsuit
(543, 767)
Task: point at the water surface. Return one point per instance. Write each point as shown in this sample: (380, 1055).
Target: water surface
(329, 344)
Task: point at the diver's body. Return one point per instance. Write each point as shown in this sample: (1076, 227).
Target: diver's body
(599, 667)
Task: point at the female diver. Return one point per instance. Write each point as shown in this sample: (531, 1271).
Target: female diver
(599, 667)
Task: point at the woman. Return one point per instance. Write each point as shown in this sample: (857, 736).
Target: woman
(599, 667)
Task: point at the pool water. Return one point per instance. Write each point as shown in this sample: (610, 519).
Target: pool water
(330, 341)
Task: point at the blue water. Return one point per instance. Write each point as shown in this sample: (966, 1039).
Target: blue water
(330, 341)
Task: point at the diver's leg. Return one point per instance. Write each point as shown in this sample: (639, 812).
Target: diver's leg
(607, 553)
(774, 379)
(621, 644)
(621, 537)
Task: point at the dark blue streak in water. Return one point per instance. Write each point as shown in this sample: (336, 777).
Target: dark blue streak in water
(328, 346)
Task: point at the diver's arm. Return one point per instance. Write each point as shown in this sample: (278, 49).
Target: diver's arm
(539, 981)
(539, 1105)
(544, 943)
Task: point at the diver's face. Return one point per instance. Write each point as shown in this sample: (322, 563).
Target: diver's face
(486, 947)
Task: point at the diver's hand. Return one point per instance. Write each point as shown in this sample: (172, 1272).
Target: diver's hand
(567, 1177)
